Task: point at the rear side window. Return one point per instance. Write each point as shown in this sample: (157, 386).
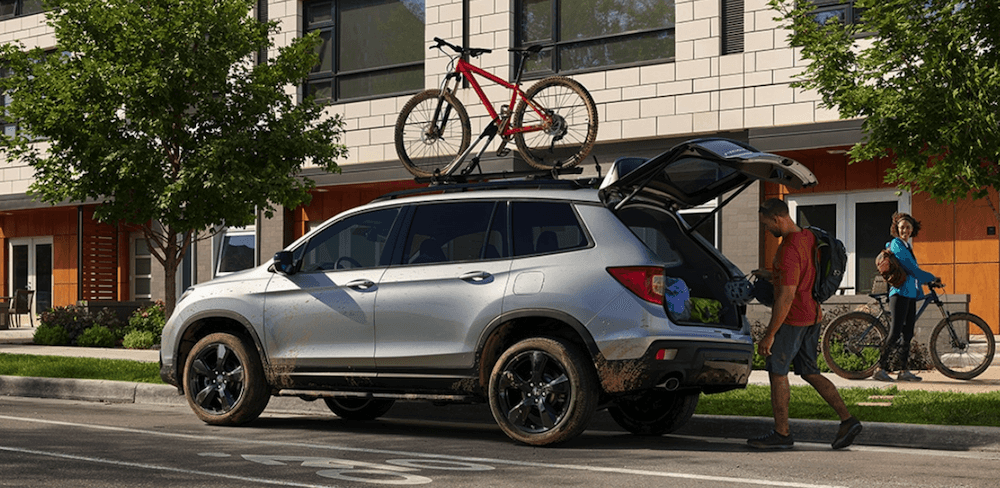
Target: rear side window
(545, 227)
(650, 227)
(448, 232)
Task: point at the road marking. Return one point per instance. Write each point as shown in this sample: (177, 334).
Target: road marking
(126, 464)
(572, 467)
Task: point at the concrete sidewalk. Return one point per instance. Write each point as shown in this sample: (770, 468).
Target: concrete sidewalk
(18, 341)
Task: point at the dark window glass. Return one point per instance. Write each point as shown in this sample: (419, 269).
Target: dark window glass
(650, 226)
(584, 35)
(871, 234)
(237, 253)
(450, 232)
(544, 227)
(836, 11)
(369, 48)
(18, 8)
(356, 242)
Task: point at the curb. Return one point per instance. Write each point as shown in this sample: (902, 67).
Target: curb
(939, 437)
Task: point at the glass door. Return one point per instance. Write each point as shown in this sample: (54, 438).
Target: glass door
(31, 269)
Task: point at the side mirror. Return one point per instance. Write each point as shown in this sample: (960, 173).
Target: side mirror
(284, 263)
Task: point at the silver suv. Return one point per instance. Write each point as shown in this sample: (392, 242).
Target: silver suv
(547, 299)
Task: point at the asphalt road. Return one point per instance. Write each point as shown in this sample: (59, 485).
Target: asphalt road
(62, 443)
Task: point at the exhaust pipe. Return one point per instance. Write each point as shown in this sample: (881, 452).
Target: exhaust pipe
(671, 383)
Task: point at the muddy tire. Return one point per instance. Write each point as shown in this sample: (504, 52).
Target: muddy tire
(543, 391)
(349, 408)
(654, 412)
(224, 380)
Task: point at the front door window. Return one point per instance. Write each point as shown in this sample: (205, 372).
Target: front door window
(31, 269)
(861, 220)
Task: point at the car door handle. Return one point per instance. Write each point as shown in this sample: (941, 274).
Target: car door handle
(361, 284)
(476, 276)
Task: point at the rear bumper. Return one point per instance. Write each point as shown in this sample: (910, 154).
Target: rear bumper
(706, 366)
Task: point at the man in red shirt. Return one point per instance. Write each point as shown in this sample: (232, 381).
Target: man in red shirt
(792, 334)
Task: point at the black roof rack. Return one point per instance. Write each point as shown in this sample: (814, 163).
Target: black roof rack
(513, 180)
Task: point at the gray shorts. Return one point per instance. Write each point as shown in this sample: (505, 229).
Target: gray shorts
(794, 346)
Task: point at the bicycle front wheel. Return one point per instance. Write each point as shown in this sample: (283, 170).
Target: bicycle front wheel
(852, 345)
(556, 123)
(431, 131)
(962, 346)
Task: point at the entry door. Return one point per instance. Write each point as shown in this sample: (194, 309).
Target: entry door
(31, 268)
(862, 220)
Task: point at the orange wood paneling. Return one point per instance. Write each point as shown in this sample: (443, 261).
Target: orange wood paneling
(982, 282)
(936, 241)
(972, 244)
(863, 175)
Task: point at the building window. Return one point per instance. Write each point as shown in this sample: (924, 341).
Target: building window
(587, 35)
(369, 49)
(862, 220)
(142, 270)
(838, 10)
(237, 250)
(17, 8)
(706, 227)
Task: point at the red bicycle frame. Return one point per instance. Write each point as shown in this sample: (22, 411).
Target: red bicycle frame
(467, 70)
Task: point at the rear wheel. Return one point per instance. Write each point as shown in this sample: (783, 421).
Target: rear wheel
(962, 346)
(430, 135)
(349, 408)
(224, 380)
(654, 412)
(542, 391)
(566, 116)
(852, 345)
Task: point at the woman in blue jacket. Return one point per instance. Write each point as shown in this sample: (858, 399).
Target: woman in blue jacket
(903, 300)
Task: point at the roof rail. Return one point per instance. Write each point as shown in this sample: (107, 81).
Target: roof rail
(507, 184)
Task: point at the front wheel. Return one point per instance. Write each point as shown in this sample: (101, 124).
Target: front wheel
(542, 391)
(431, 131)
(962, 346)
(556, 123)
(654, 412)
(224, 380)
(349, 408)
(852, 345)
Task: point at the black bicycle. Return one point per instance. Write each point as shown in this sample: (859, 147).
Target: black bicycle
(962, 344)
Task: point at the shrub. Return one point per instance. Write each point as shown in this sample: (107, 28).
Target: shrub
(74, 320)
(97, 336)
(140, 339)
(149, 319)
(51, 335)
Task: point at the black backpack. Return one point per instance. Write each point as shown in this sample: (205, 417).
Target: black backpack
(831, 263)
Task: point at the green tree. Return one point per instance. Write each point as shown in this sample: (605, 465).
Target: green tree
(924, 75)
(158, 110)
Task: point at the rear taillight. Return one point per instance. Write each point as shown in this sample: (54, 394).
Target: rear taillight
(645, 281)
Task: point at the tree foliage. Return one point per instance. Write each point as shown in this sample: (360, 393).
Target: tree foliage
(157, 110)
(924, 75)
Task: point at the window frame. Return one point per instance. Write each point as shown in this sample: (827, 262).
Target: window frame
(554, 44)
(335, 74)
(135, 257)
(249, 230)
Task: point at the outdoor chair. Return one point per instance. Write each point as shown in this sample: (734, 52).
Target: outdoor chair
(20, 305)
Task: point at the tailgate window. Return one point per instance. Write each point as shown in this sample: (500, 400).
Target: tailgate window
(648, 226)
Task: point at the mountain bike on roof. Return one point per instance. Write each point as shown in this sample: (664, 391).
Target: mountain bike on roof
(553, 123)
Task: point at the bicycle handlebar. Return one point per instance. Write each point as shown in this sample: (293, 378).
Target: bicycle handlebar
(472, 51)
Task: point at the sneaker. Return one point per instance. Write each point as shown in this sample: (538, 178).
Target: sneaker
(849, 429)
(772, 440)
(881, 375)
(908, 376)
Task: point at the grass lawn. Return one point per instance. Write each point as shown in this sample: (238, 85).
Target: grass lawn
(83, 368)
(908, 407)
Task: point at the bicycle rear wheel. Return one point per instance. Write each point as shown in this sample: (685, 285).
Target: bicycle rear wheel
(431, 131)
(570, 131)
(962, 346)
(852, 345)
